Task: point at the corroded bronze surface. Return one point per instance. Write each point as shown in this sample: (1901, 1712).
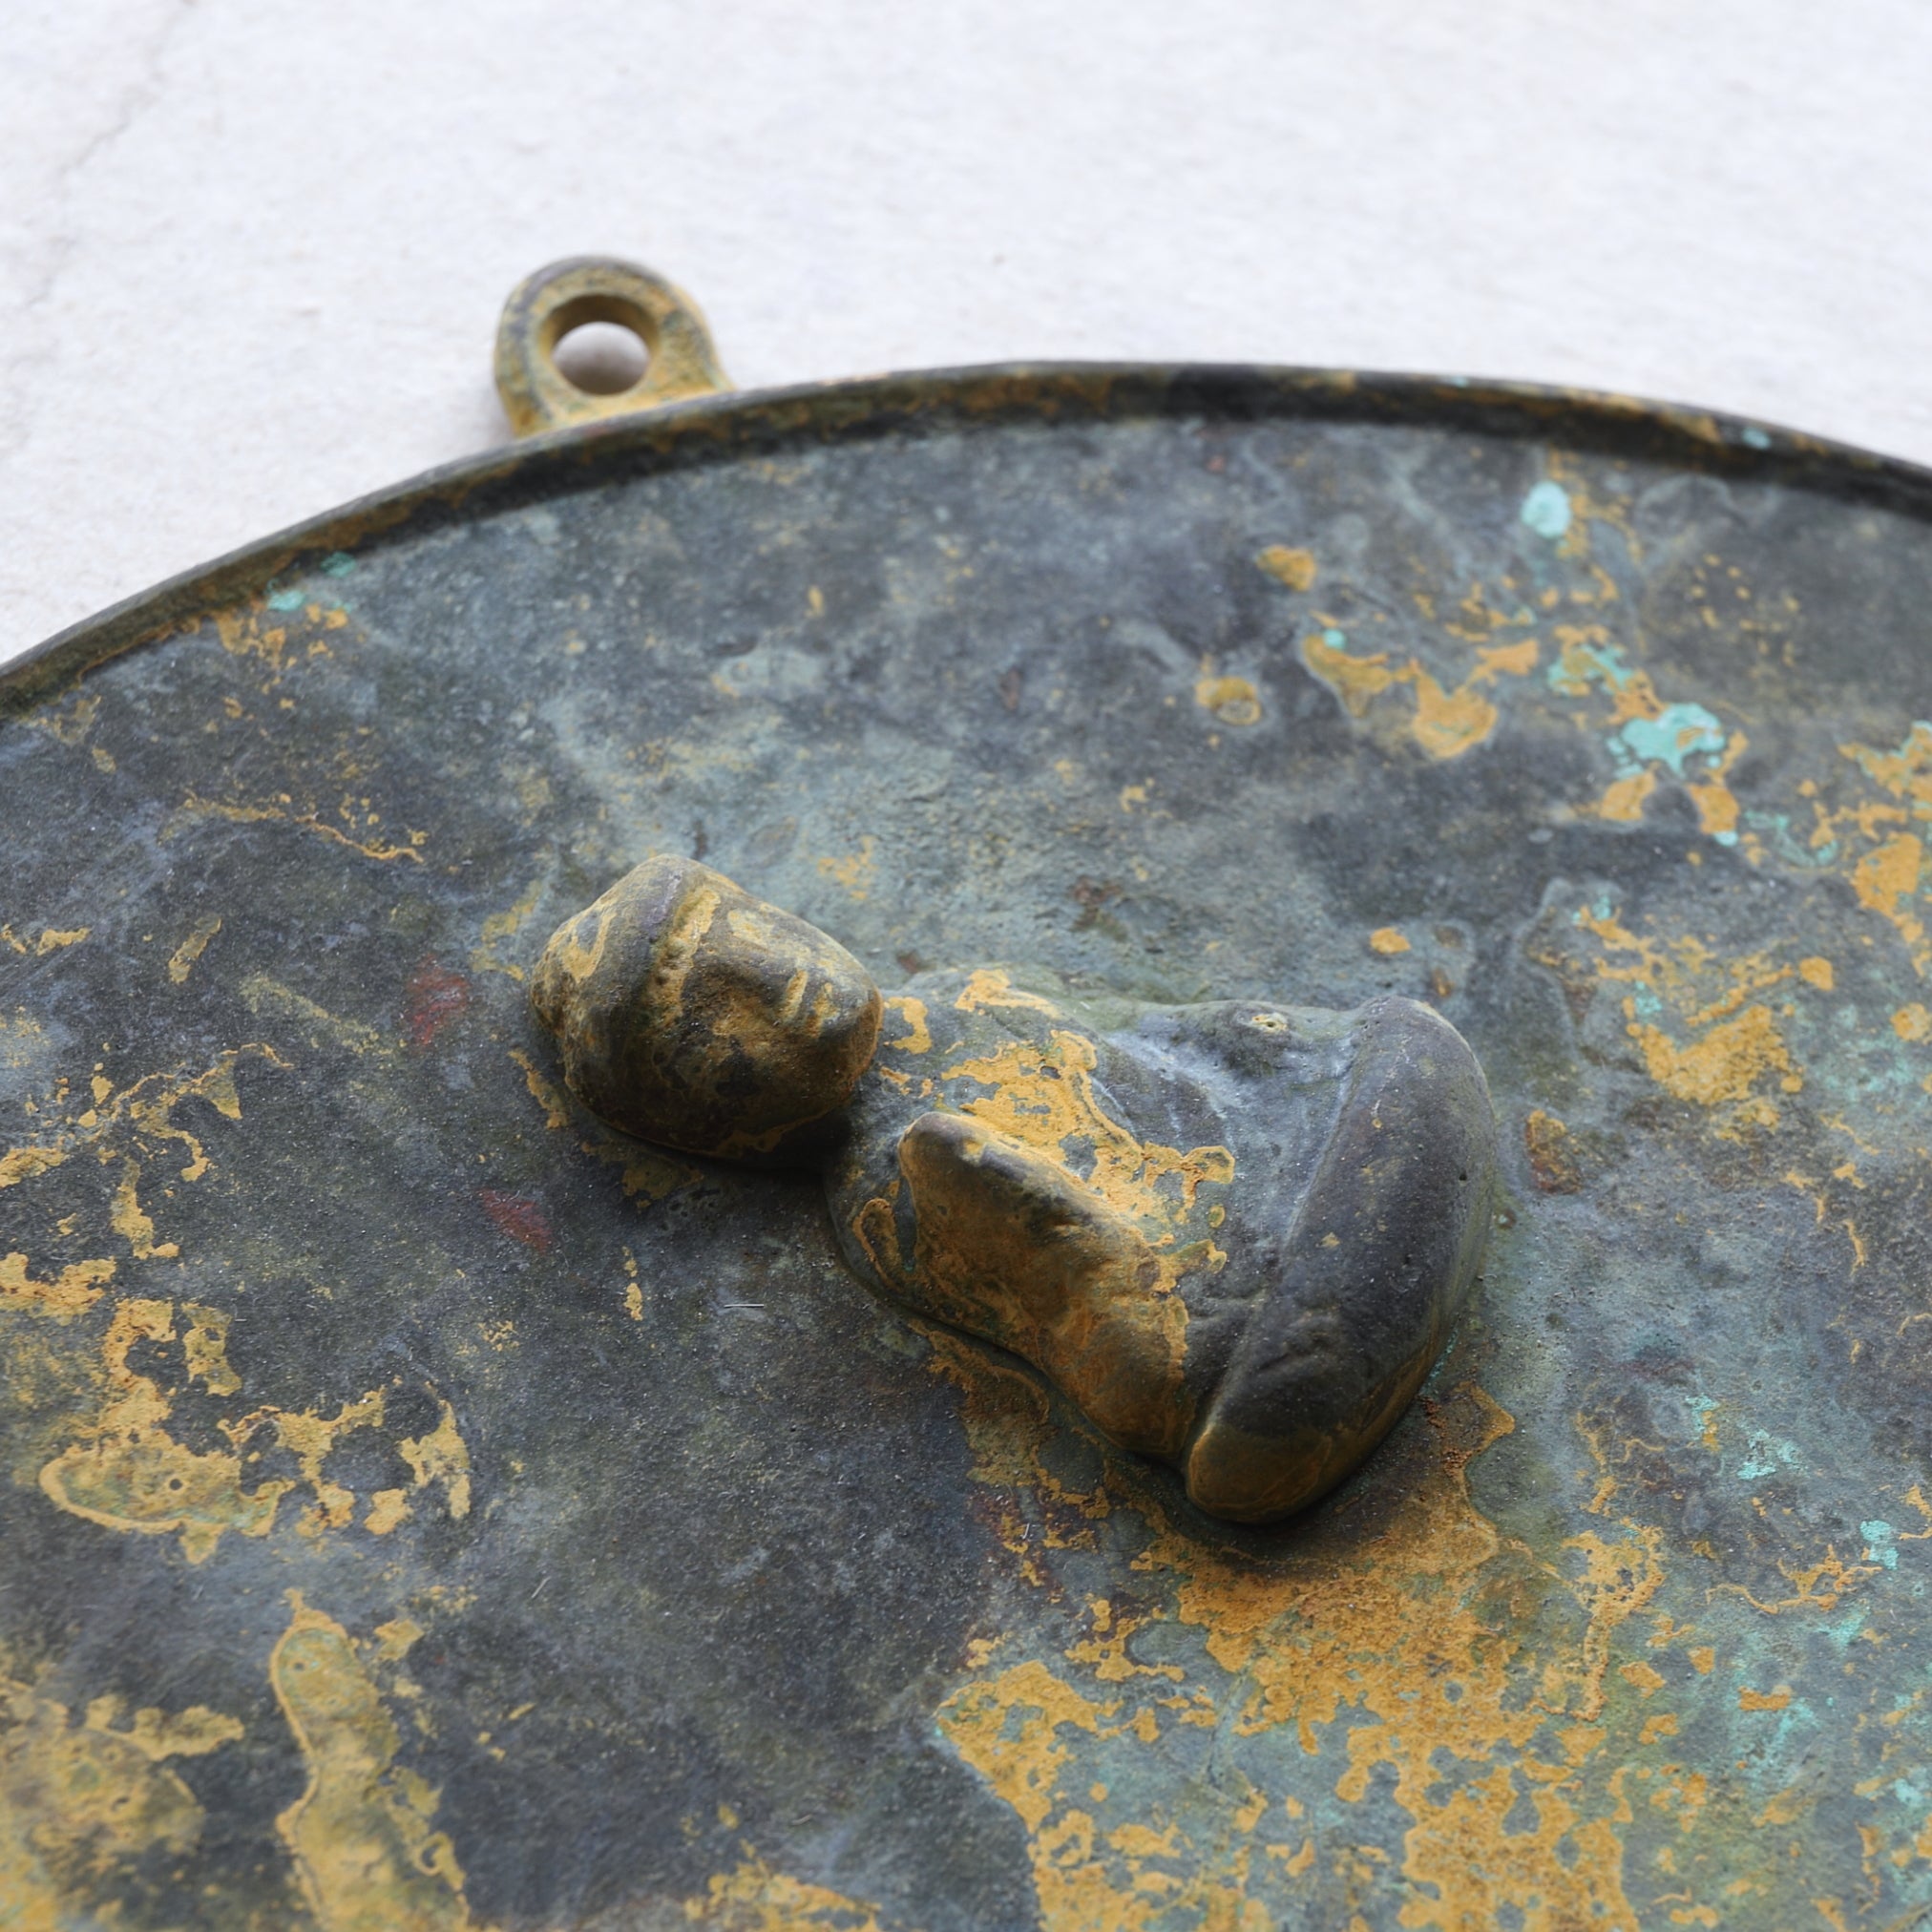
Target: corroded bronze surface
(424, 1508)
(1257, 1315)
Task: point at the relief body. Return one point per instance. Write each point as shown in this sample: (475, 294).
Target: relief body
(1235, 1235)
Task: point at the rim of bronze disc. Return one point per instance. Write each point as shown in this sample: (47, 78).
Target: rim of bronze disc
(724, 426)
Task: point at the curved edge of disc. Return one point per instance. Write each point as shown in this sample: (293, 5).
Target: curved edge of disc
(717, 427)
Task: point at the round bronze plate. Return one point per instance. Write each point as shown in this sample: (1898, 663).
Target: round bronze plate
(427, 1508)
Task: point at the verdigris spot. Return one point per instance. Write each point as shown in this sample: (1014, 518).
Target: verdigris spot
(1546, 510)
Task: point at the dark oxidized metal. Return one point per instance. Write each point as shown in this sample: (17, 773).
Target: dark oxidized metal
(427, 1507)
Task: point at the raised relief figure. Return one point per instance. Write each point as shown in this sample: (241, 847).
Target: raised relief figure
(1235, 1235)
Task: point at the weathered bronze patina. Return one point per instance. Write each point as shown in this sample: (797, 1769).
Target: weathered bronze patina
(1257, 1311)
(424, 1506)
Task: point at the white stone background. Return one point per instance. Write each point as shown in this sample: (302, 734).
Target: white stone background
(252, 251)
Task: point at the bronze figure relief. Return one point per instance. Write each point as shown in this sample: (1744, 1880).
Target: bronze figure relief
(1256, 1310)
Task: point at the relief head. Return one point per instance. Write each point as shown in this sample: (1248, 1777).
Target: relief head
(690, 1014)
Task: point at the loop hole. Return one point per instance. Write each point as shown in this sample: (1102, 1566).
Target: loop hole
(539, 392)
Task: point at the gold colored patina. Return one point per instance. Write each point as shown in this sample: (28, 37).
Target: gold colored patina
(1013, 1248)
(81, 1799)
(360, 1833)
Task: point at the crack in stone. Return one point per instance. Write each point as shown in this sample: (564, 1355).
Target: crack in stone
(21, 412)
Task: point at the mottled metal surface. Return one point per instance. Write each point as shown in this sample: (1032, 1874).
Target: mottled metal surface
(422, 1509)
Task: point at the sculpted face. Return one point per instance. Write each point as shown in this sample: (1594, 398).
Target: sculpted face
(691, 1014)
(1235, 1235)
